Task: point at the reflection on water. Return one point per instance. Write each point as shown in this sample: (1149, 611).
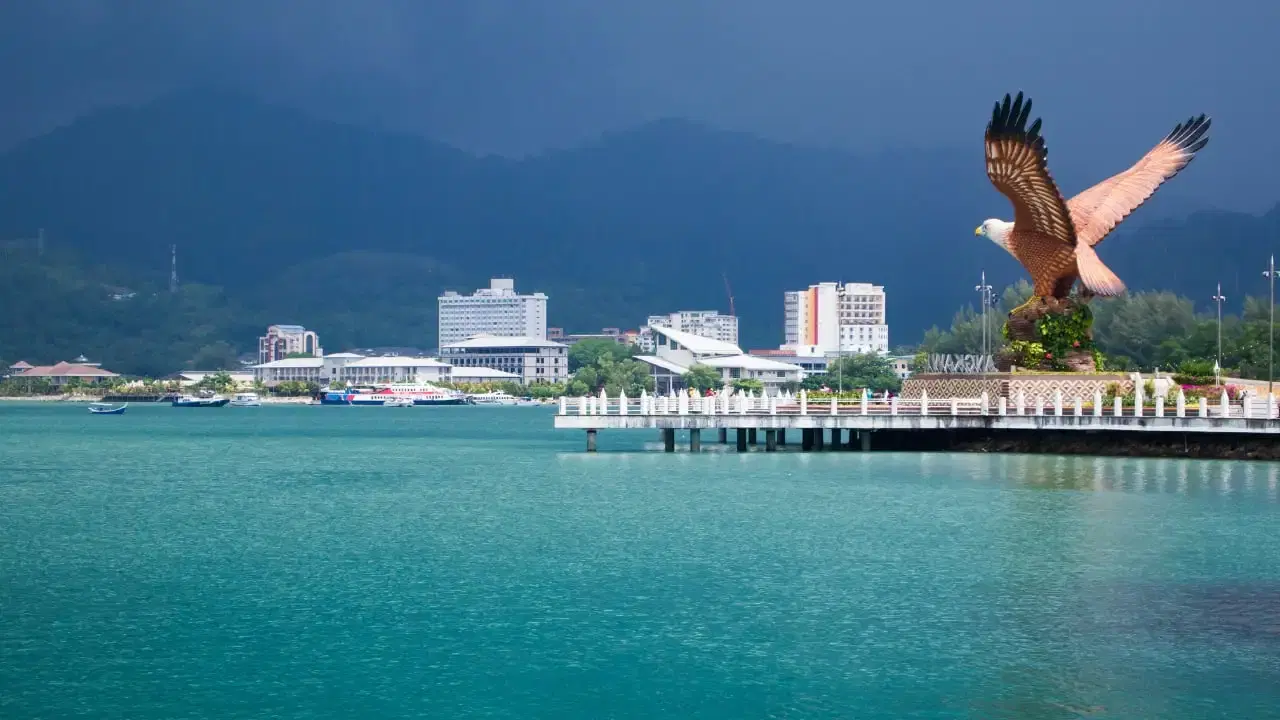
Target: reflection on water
(1117, 474)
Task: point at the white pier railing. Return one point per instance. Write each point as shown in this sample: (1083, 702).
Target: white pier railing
(747, 403)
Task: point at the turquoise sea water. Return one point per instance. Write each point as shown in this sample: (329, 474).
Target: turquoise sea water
(317, 562)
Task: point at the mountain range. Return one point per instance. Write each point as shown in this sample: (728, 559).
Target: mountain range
(354, 232)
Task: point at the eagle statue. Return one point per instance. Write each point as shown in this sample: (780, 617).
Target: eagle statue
(1052, 237)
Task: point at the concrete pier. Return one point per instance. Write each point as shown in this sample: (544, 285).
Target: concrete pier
(695, 440)
(1248, 428)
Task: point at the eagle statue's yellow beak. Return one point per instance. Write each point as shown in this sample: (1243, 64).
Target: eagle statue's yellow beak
(977, 230)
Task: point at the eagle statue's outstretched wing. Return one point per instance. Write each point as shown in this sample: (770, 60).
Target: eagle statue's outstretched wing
(1017, 166)
(1098, 210)
(1044, 236)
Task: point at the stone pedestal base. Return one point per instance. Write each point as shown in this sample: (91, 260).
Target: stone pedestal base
(1021, 329)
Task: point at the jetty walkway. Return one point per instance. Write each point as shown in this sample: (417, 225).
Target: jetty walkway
(923, 423)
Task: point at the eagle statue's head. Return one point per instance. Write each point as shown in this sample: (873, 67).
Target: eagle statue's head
(997, 231)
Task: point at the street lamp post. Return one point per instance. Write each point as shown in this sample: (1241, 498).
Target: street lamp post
(984, 291)
(1217, 366)
(1270, 274)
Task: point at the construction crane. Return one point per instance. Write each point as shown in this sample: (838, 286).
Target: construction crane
(728, 291)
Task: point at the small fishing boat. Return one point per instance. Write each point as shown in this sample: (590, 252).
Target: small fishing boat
(398, 402)
(107, 408)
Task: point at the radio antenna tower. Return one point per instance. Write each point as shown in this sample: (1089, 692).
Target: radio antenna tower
(173, 268)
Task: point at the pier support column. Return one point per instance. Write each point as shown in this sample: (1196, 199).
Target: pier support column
(835, 439)
(742, 440)
(591, 441)
(669, 440)
(695, 440)
(866, 440)
(751, 436)
(852, 442)
(819, 438)
(806, 439)
(782, 437)
(724, 436)
(771, 441)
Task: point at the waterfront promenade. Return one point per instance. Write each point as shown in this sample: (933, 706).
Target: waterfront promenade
(936, 423)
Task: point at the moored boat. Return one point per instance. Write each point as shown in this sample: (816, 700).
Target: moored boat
(495, 397)
(398, 402)
(246, 399)
(107, 409)
(424, 394)
(202, 400)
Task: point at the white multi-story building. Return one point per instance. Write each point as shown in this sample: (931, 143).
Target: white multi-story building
(834, 318)
(534, 360)
(496, 310)
(284, 340)
(703, 323)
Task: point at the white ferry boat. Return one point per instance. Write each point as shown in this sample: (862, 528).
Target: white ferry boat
(420, 394)
(246, 399)
(496, 397)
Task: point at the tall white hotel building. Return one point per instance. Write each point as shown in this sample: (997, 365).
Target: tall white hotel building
(831, 318)
(496, 310)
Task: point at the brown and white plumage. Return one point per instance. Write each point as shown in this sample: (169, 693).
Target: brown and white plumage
(1053, 238)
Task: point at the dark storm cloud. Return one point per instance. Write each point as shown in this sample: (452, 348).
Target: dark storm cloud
(1110, 77)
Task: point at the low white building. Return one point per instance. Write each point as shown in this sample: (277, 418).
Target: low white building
(533, 360)
(307, 370)
(475, 375)
(187, 378)
(394, 370)
(901, 365)
(676, 352)
(352, 369)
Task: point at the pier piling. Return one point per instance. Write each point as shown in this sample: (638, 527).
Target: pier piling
(669, 439)
(770, 440)
(695, 440)
(591, 441)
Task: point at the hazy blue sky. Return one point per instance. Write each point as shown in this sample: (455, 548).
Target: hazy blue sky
(1110, 77)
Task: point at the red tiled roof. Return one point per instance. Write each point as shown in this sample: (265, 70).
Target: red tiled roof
(21, 365)
(66, 369)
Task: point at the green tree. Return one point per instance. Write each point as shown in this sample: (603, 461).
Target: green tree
(703, 378)
(852, 372)
(590, 351)
(220, 381)
(748, 385)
